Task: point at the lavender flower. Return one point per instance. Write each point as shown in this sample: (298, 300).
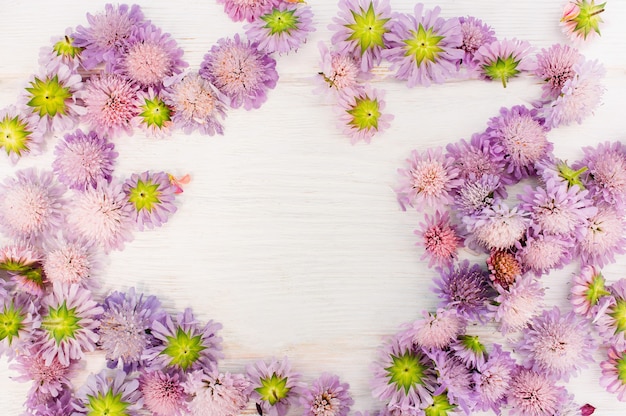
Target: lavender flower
(22, 262)
(555, 66)
(605, 173)
(18, 321)
(154, 116)
(70, 260)
(19, 135)
(612, 378)
(62, 51)
(361, 114)
(454, 379)
(274, 386)
(440, 239)
(587, 291)
(544, 252)
(435, 330)
(475, 34)
(215, 393)
(282, 29)
(109, 393)
(514, 307)
(163, 393)
(492, 380)
(46, 405)
(504, 59)
(470, 350)
(47, 379)
(152, 197)
(340, 73)
(546, 398)
(480, 156)
(497, 227)
(327, 396)
(612, 322)
(249, 10)
(478, 193)
(604, 237)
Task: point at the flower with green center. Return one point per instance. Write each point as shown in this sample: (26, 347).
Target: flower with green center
(618, 313)
(109, 393)
(152, 197)
(14, 135)
(107, 405)
(279, 21)
(365, 113)
(48, 96)
(183, 349)
(581, 19)
(273, 389)
(61, 323)
(362, 115)
(22, 262)
(368, 29)
(504, 59)
(11, 322)
(155, 114)
(470, 350)
(18, 318)
(144, 195)
(423, 45)
(613, 377)
(282, 29)
(406, 371)
(66, 48)
(440, 406)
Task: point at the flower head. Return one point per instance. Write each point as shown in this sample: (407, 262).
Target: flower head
(274, 386)
(152, 197)
(249, 10)
(163, 393)
(440, 239)
(22, 262)
(612, 320)
(470, 350)
(613, 377)
(497, 227)
(216, 394)
(454, 379)
(436, 330)
(282, 29)
(18, 321)
(544, 252)
(605, 174)
(581, 19)
(478, 193)
(49, 379)
(19, 135)
(327, 396)
(587, 289)
(70, 260)
(604, 237)
(480, 156)
(492, 380)
(475, 34)
(361, 114)
(504, 59)
(154, 116)
(555, 66)
(110, 392)
(533, 393)
(514, 307)
(61, 51)
(340, 73)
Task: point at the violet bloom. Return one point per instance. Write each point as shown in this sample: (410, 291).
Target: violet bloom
(327, 396)
(504, 268)
(163, 393)
(110, 392)
(22, 263)
(480, 156)
(470, 350)
(504, 59)
(282, 29)
(475, 34)
(361, 114)
(605, 173)
(435, 330)
(70, 260)
(274, 386)
(612, 378)
(546, 397)
(588, 292)
(47, 379)
(62, 51)
(45, 405)
(214, 393)
(555, 66)
(604, 237)
(19, 134)
(340, 73)
(440, 239)
(81, 160)
(541, 253)
(152, 197)
(514, 307)
(19, 320)
(249, 10)
(154, 116)
(360, 28)
(497, 227)
(31, 203)
(423, 47)
(454, 379)
(492, 380)
(612, 322)
(478, 193)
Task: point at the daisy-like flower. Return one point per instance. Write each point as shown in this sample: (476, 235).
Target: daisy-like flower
(465, 288)
(340, 73)
(70, 260)
(62, 51)
(81, 160)
(440, 239)
(240, 71)
(423, 47)
(613, 377)
(544, 252)
(149, 57)
(361, 114)
(327, 396)
(68, 324)
(103, 216)
(249, 10)
(282, 29)
(470, 350)
(111, 104)
(404, 376)
(428, 181)
(47, 379)
(19, 135)
(497, 227)
(504, 268)
(557, 344)
(504, 59)
(514, 307)
(492, 380)
(152, 197)
(110, 392)
(215, 393)
(18, 321)
(478, 157)
(475, 34)
(126, 327)
(454, 379)
(197, 104)
(587, 290)
(163, 393)
(533, 393)
(555, 66)
(22, 262)
(604, 238)
(478, 193)
(580, 95)
(274, 386)
(107, 34)
(31, 203)
(154, 116)
(605, 176)
(52, 99)
(612, 323)
(185, 344)
(435, 330)
(360, 29)
(581, 19)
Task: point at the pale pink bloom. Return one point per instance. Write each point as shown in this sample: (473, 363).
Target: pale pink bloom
(440, 239)
(534, 394)
(514, 308)
(436, 330)
(163, 393)
(612, 378)
(216, 394)
(588, 291)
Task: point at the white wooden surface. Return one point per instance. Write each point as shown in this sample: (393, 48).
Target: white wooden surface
(288, 235)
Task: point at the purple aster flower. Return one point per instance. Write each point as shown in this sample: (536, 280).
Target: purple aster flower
(492, 380)
(612, 322)
(435, 330)
(579, 97)
(588, 292)
(470, 350)
(70, 260)
(103, 216)
(465, 288)
(18, 321)
(340, 73)
(480, 156)
(22, 262)
(514, 307)
(523, 139)
(612, 378)
(109, 392)
(126, 327)
(31, 203)
(68, 324)
(152, 197)
(274, 386)
(282, 29)
(154, 116)
(604, 238)
(107, 34)
(555, 66)
(404, 376)
(475, 34)
(111, 104)
(423, 47)
(454, 379)
(428, 181)
(197, 104)
(605, 173)
(541, 253)
(19, 135)
(46, 405)
(47, 379)
(361, 114)
(327, 396)
(497, 227)
(534, 394)
(83, 159)
(478, 193)
(215, 393)
(163, 393)
(185, 344)
(240, 71)
(249, 10)
(61, 51)
(360, 28)
(440, 239)
(556, 344)
(504, 59)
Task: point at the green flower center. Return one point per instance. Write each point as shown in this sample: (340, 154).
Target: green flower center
(406, 370)
(368, 29)
(621, 368)
(273, 389)
(472, 343)
(618, 313)
(48, 97)
(31, 273)
(61, 323)
(596, 289)
(280, 21)
(570, 175)
(13, 135)
(365, 114)
(107, 405)
(145, 195)
(424, 45)
(503, 69)
(440, 407)
(588, 18)
(11, 322)
(65, 48)
(183, 349)
(155, 112)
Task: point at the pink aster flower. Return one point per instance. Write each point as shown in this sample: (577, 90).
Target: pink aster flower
(274, 386)
(504, 268)
(102, 215)
(534, 394)
(340, 73)
(216, 394)
(541, 253)
(31, 203)
(19, 135)
(514, 307)
(107, 392)
(154, 116)
(47, 379)
(19, 321)
(428, 181)
(588, 291)
(555, 66)
(151, 196)
(492, 380)
(361, 114)
(70, 260)
(360, 28)
(423, 47)
(282, 29)
(604, 238)
(497, 227)
(61, 51)
(480, 156)
(249, 10)
(68, 324)
(475, 34)
(504, 59)
(111, 104)
(436, 330)
(581, 19)
(605, 173)
(327, 396)
(22, 262)
(440, 239)
(612, 378)
(240, 71)
(163, 393)
(81, 160)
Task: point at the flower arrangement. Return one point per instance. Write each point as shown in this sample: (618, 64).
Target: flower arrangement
(122, 73)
